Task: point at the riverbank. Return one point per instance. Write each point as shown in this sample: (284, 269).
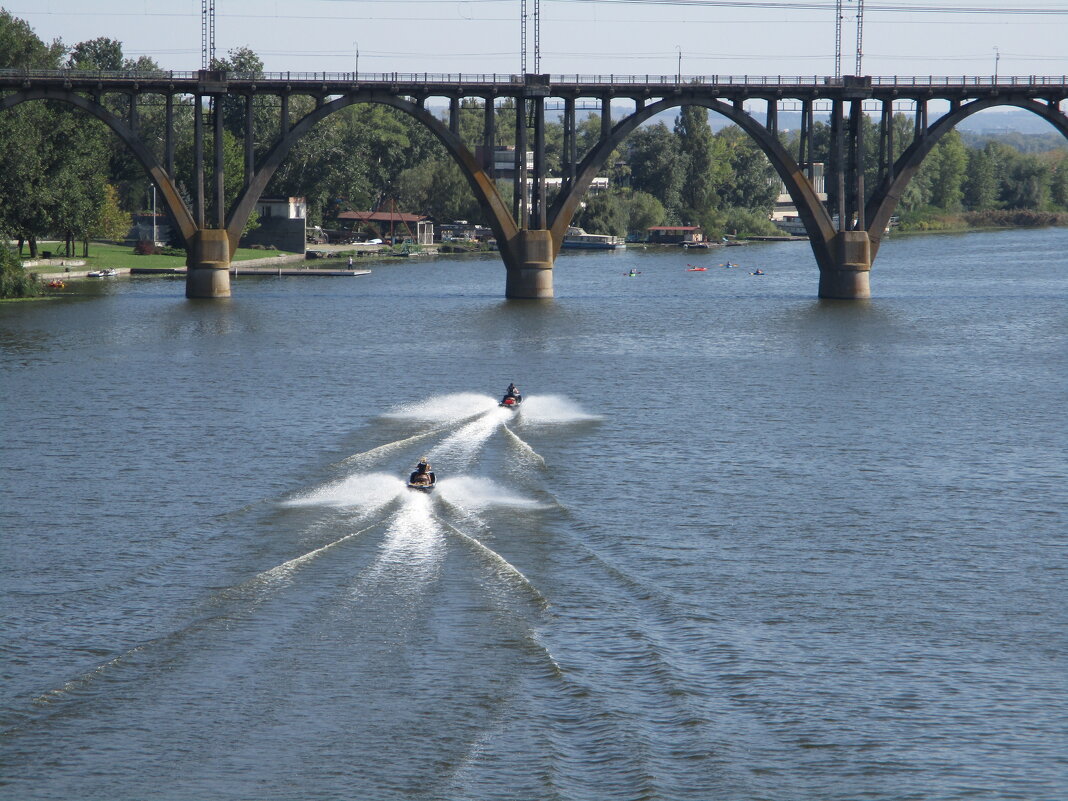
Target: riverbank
(981, 221)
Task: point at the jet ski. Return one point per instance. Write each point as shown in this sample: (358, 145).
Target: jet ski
(512, 397)
(422, 479)
(421, 484)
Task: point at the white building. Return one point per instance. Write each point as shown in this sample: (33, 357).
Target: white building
(785, 214)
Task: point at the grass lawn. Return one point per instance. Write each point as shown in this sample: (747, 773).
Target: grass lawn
(103, 255)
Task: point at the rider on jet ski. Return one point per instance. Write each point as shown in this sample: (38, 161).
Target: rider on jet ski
(423, 474)
(513, 393)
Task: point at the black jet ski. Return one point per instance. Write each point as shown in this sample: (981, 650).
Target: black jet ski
(424, 486)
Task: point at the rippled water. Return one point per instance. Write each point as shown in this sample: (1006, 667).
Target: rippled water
(738, 543)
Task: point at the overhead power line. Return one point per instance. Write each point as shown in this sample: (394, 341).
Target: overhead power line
(797, 5)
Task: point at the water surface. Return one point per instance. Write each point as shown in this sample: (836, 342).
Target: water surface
(739, 543)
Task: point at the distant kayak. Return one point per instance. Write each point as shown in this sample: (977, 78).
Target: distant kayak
(692, 269)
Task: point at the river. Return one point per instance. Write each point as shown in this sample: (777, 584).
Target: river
(738, 543)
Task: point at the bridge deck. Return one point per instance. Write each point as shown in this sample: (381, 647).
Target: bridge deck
(489, 85)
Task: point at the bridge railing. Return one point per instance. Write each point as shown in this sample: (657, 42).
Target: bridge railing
(568, 79)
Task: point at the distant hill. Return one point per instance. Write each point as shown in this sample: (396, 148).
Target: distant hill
(1024, 142)
(1023, 130)
(993, 121)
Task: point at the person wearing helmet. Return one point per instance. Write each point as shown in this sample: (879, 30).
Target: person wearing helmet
(423, 474)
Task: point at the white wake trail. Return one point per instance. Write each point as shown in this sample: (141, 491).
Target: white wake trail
(472, 494)
(367, 491)
(524, 447)
(376, 453)
(443, 408)
(411, 552)
(458, 450)
(554, 410)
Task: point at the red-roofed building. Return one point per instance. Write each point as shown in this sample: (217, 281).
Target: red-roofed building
(390, 224)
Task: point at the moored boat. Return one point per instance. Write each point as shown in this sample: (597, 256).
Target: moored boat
(578, 239)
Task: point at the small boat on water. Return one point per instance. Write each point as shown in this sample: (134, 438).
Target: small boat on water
(512, 397)
(55, 283)
(423, 478)
(693, 269)
(421, 485)
(578, 239)
(106, 273)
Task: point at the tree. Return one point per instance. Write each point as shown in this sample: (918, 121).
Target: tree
(704, 166)
(242, 62)
(437, 189)
(981, 182)
(20, 47)
(604, 213)
(644, 211)
(15, 282)
(110, 221)
(951, 162)
(656, 165)
(587, 133)
(96, 54)
(1026, 184)
(26, 150)
(1059, 181)
(24, 156)
(752, 182)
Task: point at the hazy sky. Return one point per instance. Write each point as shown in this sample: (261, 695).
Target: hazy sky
(724, 37)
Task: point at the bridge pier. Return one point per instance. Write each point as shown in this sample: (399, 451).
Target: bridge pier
(530, 270)
(847, 277)
(208, 264)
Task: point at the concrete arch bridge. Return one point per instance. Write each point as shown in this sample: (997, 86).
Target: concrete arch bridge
(845, 240)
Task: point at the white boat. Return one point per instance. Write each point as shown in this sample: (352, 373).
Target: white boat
(577, 239)
(108, 273)
(795, 227)
(792, 226)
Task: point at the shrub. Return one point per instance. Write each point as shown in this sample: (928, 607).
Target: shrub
(146, 247)
(749, 222)
(15, 282)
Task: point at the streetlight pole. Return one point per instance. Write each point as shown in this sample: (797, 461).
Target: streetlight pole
(997, 58)
(678, 74)
(356, 66)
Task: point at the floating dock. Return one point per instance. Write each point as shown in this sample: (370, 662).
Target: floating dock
(236, 269)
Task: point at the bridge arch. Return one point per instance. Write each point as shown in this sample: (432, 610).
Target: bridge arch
(485, 190)
(168, 192)
(885, 199)
(816, 219)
